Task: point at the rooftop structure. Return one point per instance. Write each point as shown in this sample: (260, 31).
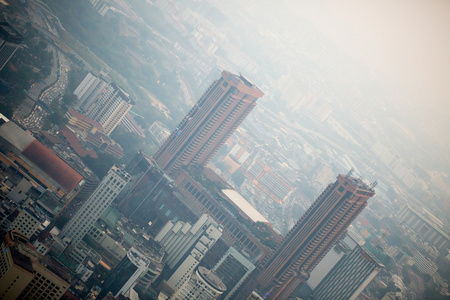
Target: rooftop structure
(245, 209)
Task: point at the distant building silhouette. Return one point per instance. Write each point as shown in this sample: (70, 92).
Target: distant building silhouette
(208, 125)
(289, 265)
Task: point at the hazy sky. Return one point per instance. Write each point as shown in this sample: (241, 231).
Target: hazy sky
(406, 41)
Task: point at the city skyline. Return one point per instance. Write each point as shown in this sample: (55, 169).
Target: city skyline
(233, 191)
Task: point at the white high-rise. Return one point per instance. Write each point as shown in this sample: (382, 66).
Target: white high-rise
(103, 102)
(103, 195)
(183, 238)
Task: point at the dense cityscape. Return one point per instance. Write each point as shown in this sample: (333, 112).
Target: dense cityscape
(169, 149)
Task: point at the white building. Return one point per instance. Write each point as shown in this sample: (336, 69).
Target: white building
(202, 285)
(103, 195)
(182, 238)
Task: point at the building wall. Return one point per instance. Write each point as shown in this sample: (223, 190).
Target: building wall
(207, 126)
(106, 191)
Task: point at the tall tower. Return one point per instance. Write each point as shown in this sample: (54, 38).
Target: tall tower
(10, 40)
(103, 195)
(312, 237)
(211, 121)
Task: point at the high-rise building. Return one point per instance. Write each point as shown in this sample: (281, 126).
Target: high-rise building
(103, 102)
(126, 274)
(350, 276)
(180, 238)
(290, 264)
(421, 224)
(103, 195)
(26, 222)
(233, 268)
(10, 40)
(23, 274)
(211, 233)
(202, 285)
(208, 125)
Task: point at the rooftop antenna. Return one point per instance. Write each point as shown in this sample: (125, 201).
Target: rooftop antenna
(373, 185)
(350, 172)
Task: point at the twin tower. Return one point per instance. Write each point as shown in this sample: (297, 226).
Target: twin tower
(199, 136)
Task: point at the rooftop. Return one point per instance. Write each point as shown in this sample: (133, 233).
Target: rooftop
(244, 206)
(211, 278)
(9, 34)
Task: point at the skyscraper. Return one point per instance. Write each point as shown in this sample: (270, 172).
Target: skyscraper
(103, 102)
(312, 237)
(10, 40)
(103, 195)
(350, 276)
(207, 126)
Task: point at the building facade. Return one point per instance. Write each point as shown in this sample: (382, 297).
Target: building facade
(202, 285)
(425, 228)
(350, 276)
(233, 268)
(23, 275)
(106, 191)
(126, 274)
(208, 125)
(10, 40)
(289, 265)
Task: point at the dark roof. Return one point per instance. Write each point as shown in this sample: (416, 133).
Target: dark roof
(52, 165)
(9, 34)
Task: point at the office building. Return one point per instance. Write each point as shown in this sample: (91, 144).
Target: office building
(202, 285)
(229, 211)
(424, 226)
(106, 191)
(350, 276)
(23, 273)
(126, 274)
(424, 264)
(289, 265)
(180, 238)
(103, 102)
(267, 181)
(26, 222)
(88, 91)
(209, 231)
(208, 125)
(10, 40)
(233, 268)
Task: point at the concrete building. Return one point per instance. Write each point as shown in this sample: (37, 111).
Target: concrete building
(23, 274)
(424, 264)
(233, 268)
(10, 40)
(350, 276)
(180, 238)
(208, 125)
(26, 223)
(37, 163)
(204, 234)
(267, 181)
(290, 264)
(103, 102)
(424, 227)
(106, 191)
(202, 285)
(126, 274)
